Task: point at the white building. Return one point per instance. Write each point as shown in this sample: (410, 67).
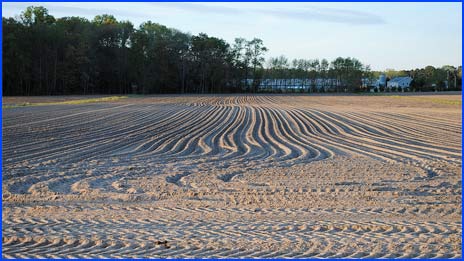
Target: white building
(370, 83)
(398, 83)
(297, 84)
(374, 85)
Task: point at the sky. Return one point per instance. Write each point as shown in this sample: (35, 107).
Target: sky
(383, 35)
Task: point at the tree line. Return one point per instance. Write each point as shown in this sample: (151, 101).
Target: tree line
(348, 72)
(44, 55)
(430, 78)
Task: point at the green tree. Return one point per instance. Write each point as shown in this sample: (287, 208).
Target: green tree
(255, 51)
(72, 55)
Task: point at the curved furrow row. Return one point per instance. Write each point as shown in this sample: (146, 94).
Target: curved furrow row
(96, 129)
(418, 125)
(96, 132)
(452, 121)
(39, 122)
(342, 146)
(426, 122)
(53, 178)
(207, 127)
(23, 115)
(257, 136)
(305, 145)
(129, 131)
(197, 238)
(231, 136)
(407, 151)
(286, 150)
(162, 131)
(185, 142)
(240, 139)
(348, 135)
(174, 135)
(213, 139)
(144, 209)
(71, 131)
(194, 141)
(399, 134)
(380, 229)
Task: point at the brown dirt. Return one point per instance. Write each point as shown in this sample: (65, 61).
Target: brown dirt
(234, 176)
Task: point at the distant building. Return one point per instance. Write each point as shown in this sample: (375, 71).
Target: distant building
(374, 84)
(369, 83)
(382, 80)
(398, 83)
(295, 84)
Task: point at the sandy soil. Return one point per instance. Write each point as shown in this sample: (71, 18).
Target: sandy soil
(234, 176)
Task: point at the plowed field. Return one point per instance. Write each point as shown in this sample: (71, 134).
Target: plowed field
(234, 176)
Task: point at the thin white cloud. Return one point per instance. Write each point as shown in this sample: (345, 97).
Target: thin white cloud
(306, 13)
(334, 15)
(310, 13)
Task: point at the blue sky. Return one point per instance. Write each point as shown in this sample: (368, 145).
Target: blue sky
(384, 35)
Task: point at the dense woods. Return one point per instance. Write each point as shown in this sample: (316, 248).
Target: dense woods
(44, 55)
